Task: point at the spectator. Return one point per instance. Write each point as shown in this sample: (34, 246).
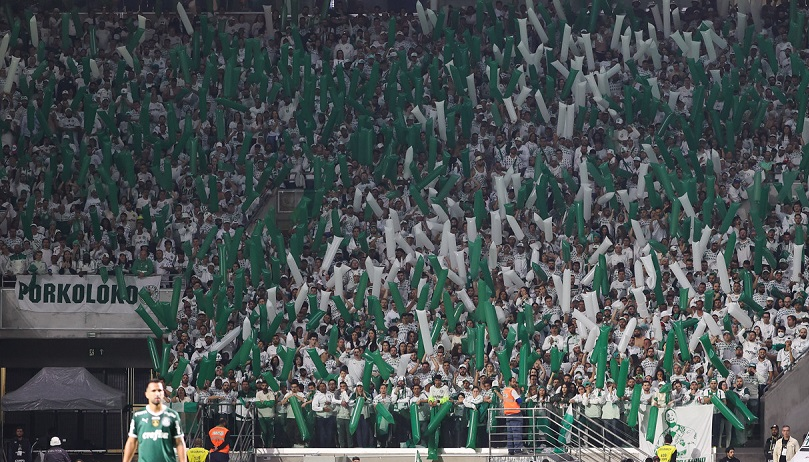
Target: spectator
(163, 167)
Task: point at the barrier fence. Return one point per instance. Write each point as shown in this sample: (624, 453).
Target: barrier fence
(536, 432)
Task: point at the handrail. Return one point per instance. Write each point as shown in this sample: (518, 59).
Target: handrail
(786, 370)
(584, 434)
(591, 423)
(244, 446)
(549, 440)
(197, 426)
(625, 439)
(243, 435)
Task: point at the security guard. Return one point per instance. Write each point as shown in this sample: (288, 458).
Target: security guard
(220, 452)
(667, 452)
(511, 408)
(197, 453)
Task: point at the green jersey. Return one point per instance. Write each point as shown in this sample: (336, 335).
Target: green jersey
(156, 434)
(142, 266)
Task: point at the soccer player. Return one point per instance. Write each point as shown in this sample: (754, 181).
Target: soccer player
(156, 431)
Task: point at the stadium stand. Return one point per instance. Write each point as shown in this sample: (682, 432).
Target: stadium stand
(607, 203)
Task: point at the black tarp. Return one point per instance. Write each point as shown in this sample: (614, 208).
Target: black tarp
(63, 388)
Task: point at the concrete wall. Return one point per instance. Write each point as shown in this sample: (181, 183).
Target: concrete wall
(448, 455)
(786, 404)
(92, 353)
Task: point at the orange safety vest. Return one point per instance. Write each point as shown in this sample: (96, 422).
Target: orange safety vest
(218, 435)
(510, 406)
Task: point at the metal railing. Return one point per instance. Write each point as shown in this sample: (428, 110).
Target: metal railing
(538, 435)
(788, 369)
(243, 426)
(542, 432)
(245, 444)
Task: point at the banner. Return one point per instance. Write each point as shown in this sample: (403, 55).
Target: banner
(690, 428)
(77, 294)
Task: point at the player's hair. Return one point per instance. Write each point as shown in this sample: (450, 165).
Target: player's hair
(154, 380)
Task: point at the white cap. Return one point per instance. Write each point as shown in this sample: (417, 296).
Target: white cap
(55, 441)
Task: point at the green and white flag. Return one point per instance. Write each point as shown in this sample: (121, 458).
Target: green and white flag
(567, 425)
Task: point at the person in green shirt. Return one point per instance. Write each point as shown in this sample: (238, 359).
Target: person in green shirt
(155, 432)
(245, 391)
(143, 266)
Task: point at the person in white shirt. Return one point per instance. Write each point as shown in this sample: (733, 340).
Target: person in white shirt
(647, 393)
(764, 370)
(461, 376)
(343, 415)
(750, 346)
(592, 402)
(345, 47)
(800, 343)
(355, 364)
(786, 356)
(199, 353)
(438, 391)
(385, 400)
(610, 411)
(322, 406)
(736, 193)
(308, 362)
(345, 378)
(705, 398)
(766, 327)
(618, 256)
(554, 339)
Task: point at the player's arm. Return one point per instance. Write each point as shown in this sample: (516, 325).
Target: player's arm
(129, 448)
(179, 444)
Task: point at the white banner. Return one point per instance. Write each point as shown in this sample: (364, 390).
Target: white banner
(77, 294)
(690, 428)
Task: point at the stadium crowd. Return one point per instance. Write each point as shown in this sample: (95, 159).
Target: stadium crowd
(135, 162)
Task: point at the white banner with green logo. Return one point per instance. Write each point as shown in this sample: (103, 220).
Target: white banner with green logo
(690, 428)
(81, 294)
